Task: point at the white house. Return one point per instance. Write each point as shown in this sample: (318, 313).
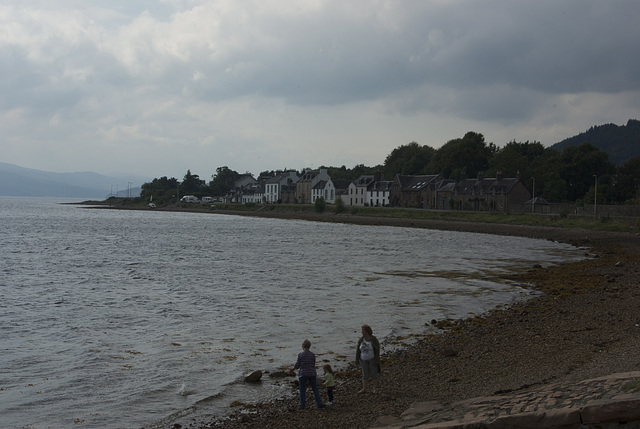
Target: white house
(244, 189)
(273, 187)
(357, 192)
(252, 194)
(378, 193)
(324, 189)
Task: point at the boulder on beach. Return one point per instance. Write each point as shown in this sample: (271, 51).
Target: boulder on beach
(253, 377)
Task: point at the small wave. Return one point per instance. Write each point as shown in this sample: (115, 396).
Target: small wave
(209, 398)
(183, 391)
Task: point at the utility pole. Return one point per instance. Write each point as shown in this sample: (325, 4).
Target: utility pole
(533, 198)
(595, 199)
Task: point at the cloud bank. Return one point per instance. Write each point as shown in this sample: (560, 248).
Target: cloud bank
(159, 87)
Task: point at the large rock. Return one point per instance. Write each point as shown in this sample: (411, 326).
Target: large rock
(625, 409)
(253, 377)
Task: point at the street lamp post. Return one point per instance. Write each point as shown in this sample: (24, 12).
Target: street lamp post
(533, 198)
(595, 199)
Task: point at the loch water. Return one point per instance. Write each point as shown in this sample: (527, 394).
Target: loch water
(129, 319)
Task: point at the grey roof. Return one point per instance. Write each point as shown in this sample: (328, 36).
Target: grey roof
(382, 185)
(416, 183)
(364, 180)
(341, 184)
(483, 186)
(538, 201)
(446, 185)
(320, 185)
(283, 178)
(309, 175)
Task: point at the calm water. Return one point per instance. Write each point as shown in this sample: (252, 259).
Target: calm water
(124, 319)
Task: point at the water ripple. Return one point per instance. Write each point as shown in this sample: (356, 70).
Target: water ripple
(130, 317)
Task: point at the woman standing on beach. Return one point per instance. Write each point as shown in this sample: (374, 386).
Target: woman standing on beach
(306, 364)
(368, 356)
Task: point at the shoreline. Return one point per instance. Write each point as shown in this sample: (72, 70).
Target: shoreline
(584, 325)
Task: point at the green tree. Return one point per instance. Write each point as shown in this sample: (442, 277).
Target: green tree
(516, 158)
(578, 167)
(320, 205)
(222, 182)
(191, 184)
(161, 191)
(463, 157)
(408, 159)
(351, 173)
(627, 182)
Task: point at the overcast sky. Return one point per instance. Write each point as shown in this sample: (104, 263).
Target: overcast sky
(154, 88)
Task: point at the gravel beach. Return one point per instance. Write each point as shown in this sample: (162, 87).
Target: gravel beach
(585, 324)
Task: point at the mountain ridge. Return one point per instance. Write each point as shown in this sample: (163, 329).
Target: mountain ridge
(16, 181)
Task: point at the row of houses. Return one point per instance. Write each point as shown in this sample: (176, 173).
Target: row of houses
(411, 191)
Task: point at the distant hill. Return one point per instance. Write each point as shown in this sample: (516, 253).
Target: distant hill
(622, 143)
(17, 181)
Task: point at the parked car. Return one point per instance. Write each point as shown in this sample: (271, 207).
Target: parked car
(189, 199)
(208, 199)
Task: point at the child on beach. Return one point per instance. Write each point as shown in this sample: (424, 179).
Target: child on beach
(329, 382)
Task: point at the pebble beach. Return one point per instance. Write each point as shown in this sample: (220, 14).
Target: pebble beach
(585, 324)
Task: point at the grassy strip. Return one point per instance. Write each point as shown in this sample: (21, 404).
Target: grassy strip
(604, 223)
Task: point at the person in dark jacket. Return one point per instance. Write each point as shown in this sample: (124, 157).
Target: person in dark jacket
(306, 364)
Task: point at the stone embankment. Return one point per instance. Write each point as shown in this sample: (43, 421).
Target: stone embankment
(601, 403)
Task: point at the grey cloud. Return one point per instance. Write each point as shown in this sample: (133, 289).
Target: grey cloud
(184, 71)
(547, 47)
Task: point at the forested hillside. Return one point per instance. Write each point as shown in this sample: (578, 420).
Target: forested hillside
(622, 143)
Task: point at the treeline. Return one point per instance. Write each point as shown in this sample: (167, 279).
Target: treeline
(558, 176)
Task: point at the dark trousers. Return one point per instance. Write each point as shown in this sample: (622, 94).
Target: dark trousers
(303, 390)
